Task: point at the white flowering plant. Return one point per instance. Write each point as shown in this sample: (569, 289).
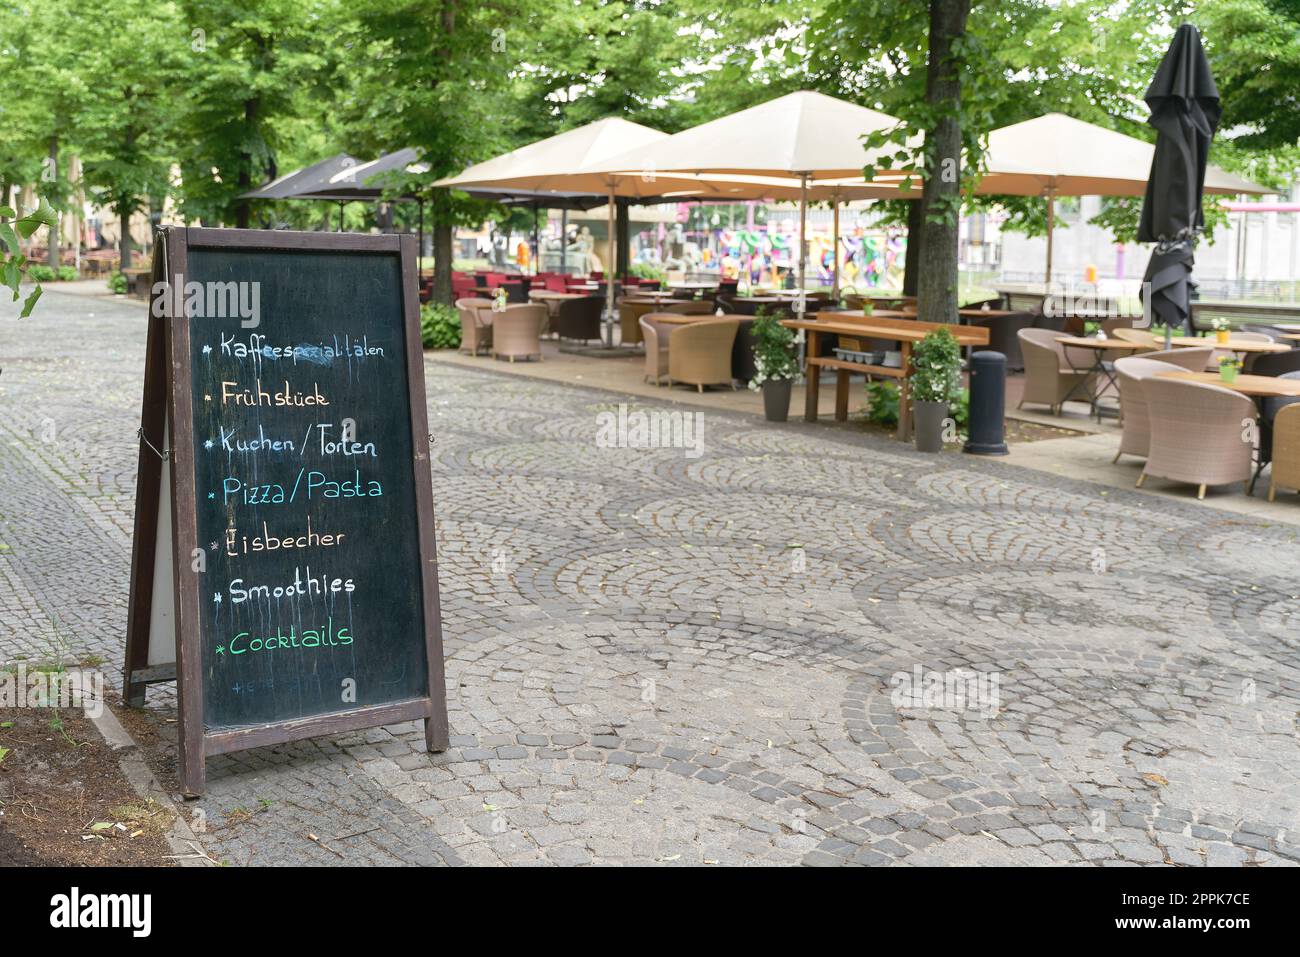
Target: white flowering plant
(936, 368)
(774, 357)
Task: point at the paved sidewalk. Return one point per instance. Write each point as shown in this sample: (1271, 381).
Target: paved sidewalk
(654, 657)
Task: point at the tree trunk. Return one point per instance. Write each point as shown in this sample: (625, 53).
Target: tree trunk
(912, 260)
(125, 245)
(52, 257)
(243, 211)
(442, 255)
(937, 263)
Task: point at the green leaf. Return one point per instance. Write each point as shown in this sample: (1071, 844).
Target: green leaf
(10, 239)
(4, 753)
(12, 276)
(8, 212)
(43, 215)
(30, 303)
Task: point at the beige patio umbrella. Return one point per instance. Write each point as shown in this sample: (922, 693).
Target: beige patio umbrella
(803, 138)
(1057, 155)
(576, 161)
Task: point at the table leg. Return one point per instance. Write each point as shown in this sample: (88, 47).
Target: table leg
(812, 378)
(1093, 369)
(841, 395)
(905, 396)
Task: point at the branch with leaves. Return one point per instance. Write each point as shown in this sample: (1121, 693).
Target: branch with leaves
(13, 229)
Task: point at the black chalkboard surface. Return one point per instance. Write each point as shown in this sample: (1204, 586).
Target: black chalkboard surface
(305, 577)
(306, 502)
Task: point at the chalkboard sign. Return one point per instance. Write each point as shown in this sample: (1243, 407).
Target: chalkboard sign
(287, 370)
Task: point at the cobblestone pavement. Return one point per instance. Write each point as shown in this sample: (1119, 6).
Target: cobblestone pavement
(659, 657)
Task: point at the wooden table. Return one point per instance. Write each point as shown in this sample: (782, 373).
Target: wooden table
(551, 300)
(1255, 386)
(882, 314)
(973, 313)
(693, 285)
(682, 319)
(884, 297)
(903, 331)
(1232, 345)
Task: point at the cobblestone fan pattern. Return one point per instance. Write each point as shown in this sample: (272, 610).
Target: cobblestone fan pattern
(656, 656)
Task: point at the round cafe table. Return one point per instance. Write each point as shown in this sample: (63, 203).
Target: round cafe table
(1102, 350)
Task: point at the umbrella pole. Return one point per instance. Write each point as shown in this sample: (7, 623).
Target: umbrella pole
(803, 242)
(419, 249)
(537, 244)
(835, 248)
(1051, 216)
(609, 277)
(564, 242)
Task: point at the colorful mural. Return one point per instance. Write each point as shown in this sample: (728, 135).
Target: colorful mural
(868, 260)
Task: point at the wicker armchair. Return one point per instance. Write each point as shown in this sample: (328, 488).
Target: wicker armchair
(517, 332)
(630, 312)
(578, 318)
(699, 354)
(1192, 359)
(475, 324)
(1272, 363)
(1049, 376)
(1269, 407)
(655, 335)
(1286, 450)
(1129, 373)
(1199, 433)
(1140, 336)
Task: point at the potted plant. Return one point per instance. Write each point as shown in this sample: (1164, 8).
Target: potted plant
(1222, 329)
(936, 382)
(775, 365)
(1229, 366)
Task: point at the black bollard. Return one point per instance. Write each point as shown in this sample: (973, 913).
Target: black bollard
(988, 382)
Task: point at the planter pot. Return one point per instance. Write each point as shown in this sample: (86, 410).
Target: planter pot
(927, 421)
(1228, 373)
(776, 399)
(1222, 336)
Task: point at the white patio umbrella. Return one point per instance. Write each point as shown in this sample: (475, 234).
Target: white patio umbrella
(1057, 155)
(803, 138)
(574, 162)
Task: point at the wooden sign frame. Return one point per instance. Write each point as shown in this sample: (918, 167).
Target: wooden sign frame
(166, 465)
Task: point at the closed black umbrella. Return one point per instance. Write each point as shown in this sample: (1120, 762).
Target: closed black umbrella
(1185, 112)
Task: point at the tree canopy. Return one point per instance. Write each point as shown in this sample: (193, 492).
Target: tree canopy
(195, 102)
